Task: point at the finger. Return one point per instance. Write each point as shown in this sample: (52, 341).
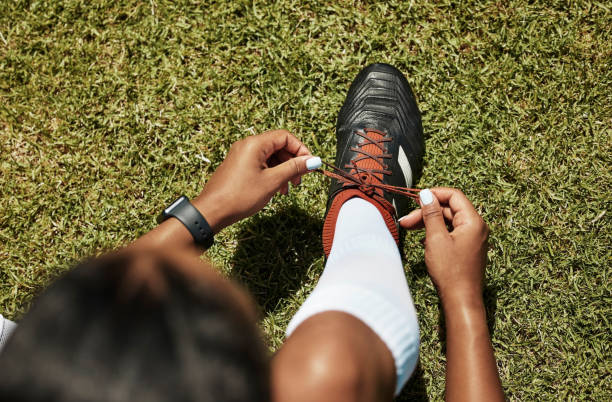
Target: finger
(284, 190)
(448, 214)
(294, 167)
(283, 156)
(414, 220)
(454, 198)
(275, 140)
(463, 211)
(432, 214)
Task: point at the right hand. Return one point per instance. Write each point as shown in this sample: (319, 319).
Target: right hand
(455, 260)
(254, 170)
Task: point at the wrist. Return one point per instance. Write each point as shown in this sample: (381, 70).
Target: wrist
(171, 233)
(174, 232)
(466, 314)
(462, 298)
(212, 210)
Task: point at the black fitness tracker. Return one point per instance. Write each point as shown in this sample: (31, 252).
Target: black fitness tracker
(184, 211)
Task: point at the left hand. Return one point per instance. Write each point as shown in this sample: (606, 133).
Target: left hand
(455, 259)
(254, 170)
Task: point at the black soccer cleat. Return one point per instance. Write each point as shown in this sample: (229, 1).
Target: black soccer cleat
(380, 98)
(380, 139)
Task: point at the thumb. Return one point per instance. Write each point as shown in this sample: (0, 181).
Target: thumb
(432, 214)
(294, 167)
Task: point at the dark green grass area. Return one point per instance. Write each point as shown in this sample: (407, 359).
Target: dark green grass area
(110, 109)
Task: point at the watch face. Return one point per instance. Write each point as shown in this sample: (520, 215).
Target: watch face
(174, 205)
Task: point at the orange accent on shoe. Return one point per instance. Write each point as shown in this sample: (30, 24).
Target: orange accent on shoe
(364, 180)
(329, 226)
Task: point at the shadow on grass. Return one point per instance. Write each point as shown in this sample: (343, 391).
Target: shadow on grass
(490, 299)
(274, 254)
(419, 270)
(415, 389)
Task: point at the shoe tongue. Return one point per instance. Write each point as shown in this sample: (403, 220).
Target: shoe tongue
(369, 163)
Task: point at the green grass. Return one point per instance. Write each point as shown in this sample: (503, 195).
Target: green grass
(110, 109)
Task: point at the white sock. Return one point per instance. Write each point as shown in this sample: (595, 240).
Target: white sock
(364, 277)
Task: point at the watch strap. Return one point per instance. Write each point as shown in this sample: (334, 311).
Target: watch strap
(183, 210)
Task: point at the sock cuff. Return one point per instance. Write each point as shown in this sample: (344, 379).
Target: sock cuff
(329, 226)
(398, 329)
(363, 245)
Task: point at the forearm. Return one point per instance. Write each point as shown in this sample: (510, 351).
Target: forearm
(471, 370)
(254, 170)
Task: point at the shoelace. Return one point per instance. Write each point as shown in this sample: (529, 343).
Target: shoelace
(366, 181)
(378, 157)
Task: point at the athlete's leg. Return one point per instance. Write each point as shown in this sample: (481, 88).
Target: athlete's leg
(333, 356)
(360, 318)
(356, 336)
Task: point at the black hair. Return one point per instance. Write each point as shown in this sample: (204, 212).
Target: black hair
(85, 340)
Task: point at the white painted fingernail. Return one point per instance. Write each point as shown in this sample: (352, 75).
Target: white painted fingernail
(426, 196)
(400, 219)
(313, 163)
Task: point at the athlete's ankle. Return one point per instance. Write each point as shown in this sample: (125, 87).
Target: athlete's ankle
(329, 226)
